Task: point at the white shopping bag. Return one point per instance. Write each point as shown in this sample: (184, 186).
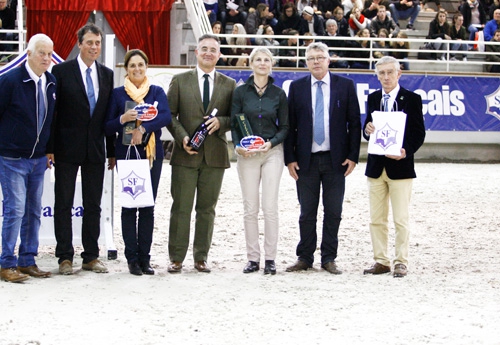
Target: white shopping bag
(135, 182)
(389, 133)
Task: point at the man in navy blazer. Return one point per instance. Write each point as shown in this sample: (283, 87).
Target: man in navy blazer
(77, 142)
(322, 148)
(389, 176)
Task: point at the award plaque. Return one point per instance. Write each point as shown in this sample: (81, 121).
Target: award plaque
(146, 112)
(249, 141)
(128, 127)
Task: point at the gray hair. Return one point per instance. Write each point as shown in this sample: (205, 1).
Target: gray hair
(317, 46)
(209, 36)
(387, 60)
(38, 38)
(257, 50)
(331, 22)
(264, 50)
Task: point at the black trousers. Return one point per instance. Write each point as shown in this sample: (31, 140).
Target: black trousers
(137, 231)
(92, 176)
(321, 175)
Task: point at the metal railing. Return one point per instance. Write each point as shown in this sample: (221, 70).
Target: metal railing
(198, 18)
(19, 34)
(474, 57)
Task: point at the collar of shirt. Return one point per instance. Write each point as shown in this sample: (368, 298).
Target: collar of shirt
(35, 77)
(201, 73)
(393, 94)
(93, 74)
(325, 80)
(201, 81)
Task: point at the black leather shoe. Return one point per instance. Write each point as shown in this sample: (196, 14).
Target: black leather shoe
(135, 269)
(251, 266)
(147, 269)
(270, 267)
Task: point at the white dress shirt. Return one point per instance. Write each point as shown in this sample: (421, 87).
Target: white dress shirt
(325, 87)
(93, 75)
(201, 81)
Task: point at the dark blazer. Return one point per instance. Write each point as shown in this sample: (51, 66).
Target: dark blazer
(319, 26)
(411, 104)
(186, 106)
(75, 136)
(345, 125)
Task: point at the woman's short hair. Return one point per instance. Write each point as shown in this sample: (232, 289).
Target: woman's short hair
(257, 50)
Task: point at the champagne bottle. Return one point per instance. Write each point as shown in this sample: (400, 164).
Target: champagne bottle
(201, 133)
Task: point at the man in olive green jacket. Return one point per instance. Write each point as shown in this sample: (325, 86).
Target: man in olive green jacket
(199, 172)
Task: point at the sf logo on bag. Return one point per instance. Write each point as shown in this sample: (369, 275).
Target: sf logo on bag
(133, 185)
(386, 137)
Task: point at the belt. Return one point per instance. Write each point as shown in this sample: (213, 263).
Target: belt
(321, 153)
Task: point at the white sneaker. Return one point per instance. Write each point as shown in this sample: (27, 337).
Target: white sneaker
(464, 59)
(452, 59)
(443, 58)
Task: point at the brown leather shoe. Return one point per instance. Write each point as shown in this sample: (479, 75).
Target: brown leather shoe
(66, 268)
(331, 267)
(34, 271)
(202, 266)
(96, 266)
(377, 269)
(400, 271)
(13, 275)
(299, 265)
(175, 267)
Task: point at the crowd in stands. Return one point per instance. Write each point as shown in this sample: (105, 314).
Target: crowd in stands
(353, 19)
(7, 21)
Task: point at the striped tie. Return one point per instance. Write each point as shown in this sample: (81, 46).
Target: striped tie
(386, 102)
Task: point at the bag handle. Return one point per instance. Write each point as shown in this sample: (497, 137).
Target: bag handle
(137, 155)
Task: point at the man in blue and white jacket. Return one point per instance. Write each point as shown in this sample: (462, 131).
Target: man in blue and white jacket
(27, 101)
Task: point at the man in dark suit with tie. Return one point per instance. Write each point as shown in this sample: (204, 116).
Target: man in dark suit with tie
(192, 96)
(322, 148)
(77, 142)
(389, 176)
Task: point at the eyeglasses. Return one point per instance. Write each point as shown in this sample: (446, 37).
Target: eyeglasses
(317, 58)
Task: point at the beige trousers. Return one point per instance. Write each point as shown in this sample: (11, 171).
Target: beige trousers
(381, 190)
(265, 169)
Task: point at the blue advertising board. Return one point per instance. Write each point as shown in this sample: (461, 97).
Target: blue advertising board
(450, 103)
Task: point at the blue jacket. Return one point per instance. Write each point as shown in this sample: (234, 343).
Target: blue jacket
(116, 108)
(19, 135)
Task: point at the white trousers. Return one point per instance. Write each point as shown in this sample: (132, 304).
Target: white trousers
(266, 168)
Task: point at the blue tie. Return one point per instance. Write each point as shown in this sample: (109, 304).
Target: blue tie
(90, 91)
(386, 102)
(319, 116)
(41, 105)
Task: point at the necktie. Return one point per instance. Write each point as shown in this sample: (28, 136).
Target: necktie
(206, 92)
(319, 117)
(41, 105)
(90, 91)
(386, 102)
